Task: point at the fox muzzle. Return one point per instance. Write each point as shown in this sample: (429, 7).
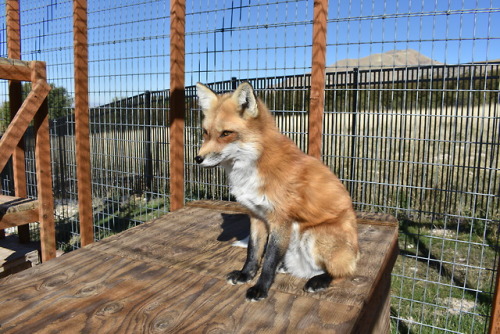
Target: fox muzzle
(199, 159)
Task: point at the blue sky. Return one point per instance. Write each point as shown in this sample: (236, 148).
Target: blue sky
(129, 42)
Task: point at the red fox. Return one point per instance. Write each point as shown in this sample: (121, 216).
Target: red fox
(302, 220)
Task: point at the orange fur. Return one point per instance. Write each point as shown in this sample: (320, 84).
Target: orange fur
(304, 190)
(298, 188)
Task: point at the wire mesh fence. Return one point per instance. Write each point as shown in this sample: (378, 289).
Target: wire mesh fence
(411, 123)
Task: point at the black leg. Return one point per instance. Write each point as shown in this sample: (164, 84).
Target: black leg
(274, 253)
(256, 245)
(318, 283)
(249, 268)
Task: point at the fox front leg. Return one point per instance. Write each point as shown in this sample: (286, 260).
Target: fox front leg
(276, 247)
(256, 245)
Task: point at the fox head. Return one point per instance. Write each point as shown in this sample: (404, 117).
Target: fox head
(229, 126)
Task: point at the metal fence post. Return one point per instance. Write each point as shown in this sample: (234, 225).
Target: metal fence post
(354, 123)
(148, 163)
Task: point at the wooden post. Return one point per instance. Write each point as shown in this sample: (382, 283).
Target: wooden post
(15, 101)
(44, 169)
(82, 129)
(317, 103)
(495, 310)
(177, 45)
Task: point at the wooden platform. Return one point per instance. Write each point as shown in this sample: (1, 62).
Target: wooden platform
(15, 256)
(168, 276)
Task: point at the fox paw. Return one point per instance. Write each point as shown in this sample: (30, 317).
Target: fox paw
(256, 293)
(282, 269)
(238, 277)
(318, 283)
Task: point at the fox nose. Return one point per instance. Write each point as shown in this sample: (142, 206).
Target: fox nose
(198, 159)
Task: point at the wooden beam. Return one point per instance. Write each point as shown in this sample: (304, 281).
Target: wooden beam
(11, 69)
(82, 127)
(21, 121)
(44, 168)
(317, 104)
(177, 101)
(15, 102)
(495, 310)
(13, 30)
(15, 211)
(19, 218)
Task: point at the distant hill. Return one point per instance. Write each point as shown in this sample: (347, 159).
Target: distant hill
(376, 61)
(389, 59)
(394, 59)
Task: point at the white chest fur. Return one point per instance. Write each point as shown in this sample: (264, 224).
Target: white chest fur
(245, 182)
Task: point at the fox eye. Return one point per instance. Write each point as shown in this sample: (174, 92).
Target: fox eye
(205, 132)
(225, 133)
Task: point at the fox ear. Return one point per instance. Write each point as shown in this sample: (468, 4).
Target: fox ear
(245, 98)
(205, 96)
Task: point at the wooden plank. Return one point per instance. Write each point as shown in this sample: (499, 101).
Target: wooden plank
(362, 216)
(219, 206)
(12, 204)
(20, 123)
(44, 170)
(15, 211)
(169, 275)
(19, 218)
(13, 69)
(13, 31)
(220, 230)
(317, 102)
(177, 102)
(83, 294)
(375, 316)
(82, 127)
(13, 62)
(376, 218)
(495, 311)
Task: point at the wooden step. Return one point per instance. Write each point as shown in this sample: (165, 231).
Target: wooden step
(15, 257)
(15, 211)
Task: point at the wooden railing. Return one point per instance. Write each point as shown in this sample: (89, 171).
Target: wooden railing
(17, 211)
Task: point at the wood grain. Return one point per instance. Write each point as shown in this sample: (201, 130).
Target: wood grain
(82, 122)
(15, 211)
(34, 108)
(168, 276)
(11, 204)
(21, 121)
(177, 102)
(15, 102)
(318, 65)
(14, 69)
(15, 257)
(44, 168)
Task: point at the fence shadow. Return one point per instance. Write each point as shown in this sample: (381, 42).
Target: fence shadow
(424, 255)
